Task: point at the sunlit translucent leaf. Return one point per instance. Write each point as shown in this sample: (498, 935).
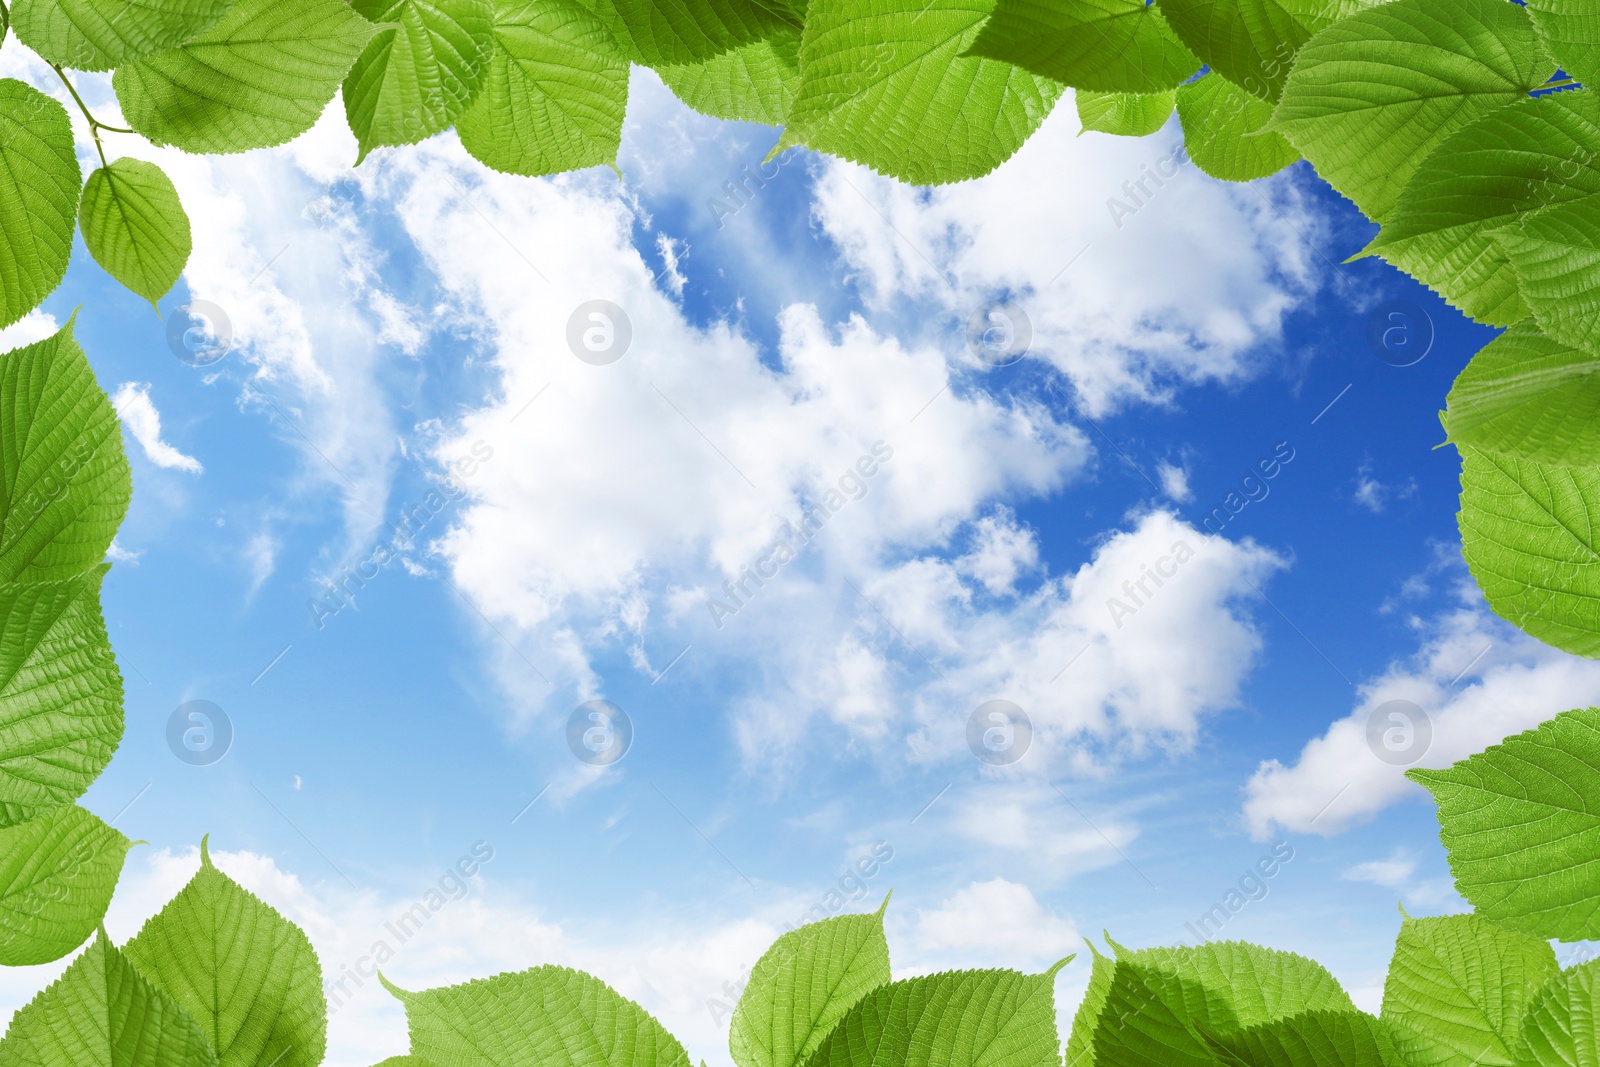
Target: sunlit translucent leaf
(415, 79)
(260, 77)
(1252, 43)
(135, 227)
(1531, 397)
(1223, 131)
(64, 481)
(1372, 96)
(1309, 1039)
(752, 83)
(1106, 45)
(543, 1017)
(1457, 989)
(1559, 1029)
(555, 93)
(1523, 523)
(884, 83)
(39, 180)
(101, 34)
(658, 34)
(1572, 30)
(244, 972)
(803, 985)
(1521, 823)
(57, 873)
(1124, 114)
(101, 1012)
(1556, 254)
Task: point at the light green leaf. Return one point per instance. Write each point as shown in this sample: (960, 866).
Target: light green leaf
(752, 83)
(543, 1017)
(556, 91)
(803, 985)
(1372, 96)
(247, 974)
(1522, 523)
(1556, 254)
(135, 227)
(1559, 1029)
(1150, 1006)
(1120, 46)
(39, 180)
(658, 34)
(1252, 43)
(258, 78)
(1124, 114)
(64, 481)
(57, 873)
(1522, 158)
(415, 79)
(405, 1061)
(1528, 396)
(884, 83)
(1309, 1039)
(60, 694)
(1457, 989)
(1521, 823)
(101, 1012)
(952, 1019)
(1572, 30)
(1223, 131)
(101, 34)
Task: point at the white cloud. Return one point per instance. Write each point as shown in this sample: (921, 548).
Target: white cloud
(1174, 482)
(1391, 873)
(34, 326)
(996, 919)
(1375, 495)
(138, 413)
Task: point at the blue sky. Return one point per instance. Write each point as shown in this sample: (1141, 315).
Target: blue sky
(387, 320)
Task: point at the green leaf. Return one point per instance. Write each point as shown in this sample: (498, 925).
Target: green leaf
(102, 1012)
(1522, 158)
(1223, 131)
(1370, 97)
(247, 974)
(415, 79)
(1521, 823)
(1556, 255)
(1124, 114)
(1527, 537)
(1571, 28)
(951, 1019)
(1122, 46)
(1531, 397)
(1252, 43)
(57, 873)
(64, 481)
(135, 227)
(752, 83)
(556, 91)
(258, 78)
(1309, 1039)
(1457, 989)
(1150, 1006)
(884, 83)
(545, 1016)
(803, 985)
(60, 694)
(101, 34)
(658, 34)
(39, 180)
(1559, 1029)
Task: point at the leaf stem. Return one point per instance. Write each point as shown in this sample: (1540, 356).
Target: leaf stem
(1562, 84)
(95, 125)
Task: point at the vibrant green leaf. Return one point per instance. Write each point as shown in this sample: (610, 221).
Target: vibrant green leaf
(952, 1019)
(247, 974)
(1559, 1029)
(64, 481)
(1457, 989)
(1124, 114)
(1572, 30)
(658, 34)
(57, 873)
(135, 227)
(556, 91)
(1223, 131)
(1521, 823)
(1529, 537)
(39, 180)
(101, 1012)
(1370, 97)
(1528, 396)
(1309, 1039)
(884, 83)
(101, 34)
(752, 83)
(415, 79)
(1556, 255)
(803, 985)
(60, 694)
(1252, 43)
(258, 78)
(543, 1017)
(1122, 46)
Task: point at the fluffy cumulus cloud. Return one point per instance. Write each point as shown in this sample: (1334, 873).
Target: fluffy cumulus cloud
(995, 918)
